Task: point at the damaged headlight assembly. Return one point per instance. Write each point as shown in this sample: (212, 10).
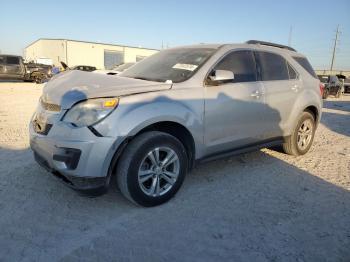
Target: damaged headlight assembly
(91, 111)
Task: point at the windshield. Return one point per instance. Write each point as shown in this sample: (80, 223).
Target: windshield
(176, 65)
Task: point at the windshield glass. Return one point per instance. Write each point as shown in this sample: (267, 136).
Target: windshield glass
(176, 65)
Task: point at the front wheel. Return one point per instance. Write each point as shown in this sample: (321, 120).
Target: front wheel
(302, 137)
(152, 168)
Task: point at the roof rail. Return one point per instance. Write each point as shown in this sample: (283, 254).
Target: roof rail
(257, 42)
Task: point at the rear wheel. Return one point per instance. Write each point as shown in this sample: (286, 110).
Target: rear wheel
(302, 137)
(152, 168)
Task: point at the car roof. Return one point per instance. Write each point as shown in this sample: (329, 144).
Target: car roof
(262, 47)
(10, 55)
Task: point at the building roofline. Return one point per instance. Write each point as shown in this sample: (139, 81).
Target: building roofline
(97, 43)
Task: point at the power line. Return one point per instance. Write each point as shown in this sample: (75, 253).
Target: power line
(335, 46)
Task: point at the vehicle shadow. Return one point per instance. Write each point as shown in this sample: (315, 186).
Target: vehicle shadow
(339, 122)
(337, 105)
(252, 207)
(336, 117)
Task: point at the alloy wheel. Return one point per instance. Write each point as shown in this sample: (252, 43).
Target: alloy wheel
(158, 171)
(305, 134)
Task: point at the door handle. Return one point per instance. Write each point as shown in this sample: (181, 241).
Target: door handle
(256, 94)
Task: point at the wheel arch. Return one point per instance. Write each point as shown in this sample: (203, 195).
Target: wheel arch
(173, 128)
(314, 111)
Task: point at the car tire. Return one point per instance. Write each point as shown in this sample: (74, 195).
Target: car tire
(144, 176)
(300, 141)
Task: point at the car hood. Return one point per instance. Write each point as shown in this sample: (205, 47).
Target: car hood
(70, 87)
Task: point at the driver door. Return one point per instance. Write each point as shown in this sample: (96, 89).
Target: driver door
(234, 110)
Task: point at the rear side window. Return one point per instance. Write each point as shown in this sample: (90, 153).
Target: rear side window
(305, 64)
(272, 66)
(12, 60)
(2, 60)
(291, 71)
(241, 63)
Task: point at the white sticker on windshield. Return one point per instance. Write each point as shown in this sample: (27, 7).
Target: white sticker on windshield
(188, 67)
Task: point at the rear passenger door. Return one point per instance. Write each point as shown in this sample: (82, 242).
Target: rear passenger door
(281, 85)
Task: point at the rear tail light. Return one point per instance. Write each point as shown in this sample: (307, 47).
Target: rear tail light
(321, 89)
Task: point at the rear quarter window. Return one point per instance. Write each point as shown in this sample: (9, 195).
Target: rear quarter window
(306, 65)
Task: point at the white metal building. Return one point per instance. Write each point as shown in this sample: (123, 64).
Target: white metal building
(73, 52)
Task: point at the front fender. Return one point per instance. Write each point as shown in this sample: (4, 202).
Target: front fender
(136, 112)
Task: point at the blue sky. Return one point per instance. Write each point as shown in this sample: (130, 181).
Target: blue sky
(180, 22)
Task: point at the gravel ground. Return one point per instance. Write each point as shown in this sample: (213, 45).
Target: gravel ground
(261, 206)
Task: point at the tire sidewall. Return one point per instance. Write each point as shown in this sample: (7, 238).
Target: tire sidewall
(134, 189)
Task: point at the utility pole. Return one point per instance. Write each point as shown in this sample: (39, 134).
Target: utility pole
(335, 46)
(290, 36)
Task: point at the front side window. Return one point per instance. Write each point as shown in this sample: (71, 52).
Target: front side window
(12, 60)
(241, 63)
(272, 66)
(176, 65)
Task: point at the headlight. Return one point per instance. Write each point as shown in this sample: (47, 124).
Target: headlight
(91, 111)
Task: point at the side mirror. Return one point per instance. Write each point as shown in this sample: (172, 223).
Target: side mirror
(222, 75)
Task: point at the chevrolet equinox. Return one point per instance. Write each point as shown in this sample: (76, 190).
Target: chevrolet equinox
(151, 124)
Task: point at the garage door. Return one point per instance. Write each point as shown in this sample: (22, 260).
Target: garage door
(113, 58)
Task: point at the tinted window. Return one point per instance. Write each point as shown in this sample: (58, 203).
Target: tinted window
(306, 65)
(272, 66)
(291, 71)
(2, 60)
(241, 63)
(12, 60)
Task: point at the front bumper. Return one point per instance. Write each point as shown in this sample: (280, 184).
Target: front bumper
(75, 155)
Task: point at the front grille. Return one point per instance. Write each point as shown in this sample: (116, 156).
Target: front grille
(50, 107)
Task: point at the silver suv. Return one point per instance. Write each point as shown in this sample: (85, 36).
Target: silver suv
(151, 124)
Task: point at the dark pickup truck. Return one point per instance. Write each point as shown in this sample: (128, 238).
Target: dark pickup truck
(12, 67)
(37, 73)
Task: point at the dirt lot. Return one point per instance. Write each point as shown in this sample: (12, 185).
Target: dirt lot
(261, 206)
